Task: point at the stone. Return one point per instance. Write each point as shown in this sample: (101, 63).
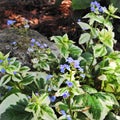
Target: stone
(17, 41)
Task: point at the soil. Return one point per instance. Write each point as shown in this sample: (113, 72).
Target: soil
(46, 17)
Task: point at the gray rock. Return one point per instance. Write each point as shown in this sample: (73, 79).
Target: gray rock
(17, 42)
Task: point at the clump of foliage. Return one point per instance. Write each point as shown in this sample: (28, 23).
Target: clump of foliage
(81, 84)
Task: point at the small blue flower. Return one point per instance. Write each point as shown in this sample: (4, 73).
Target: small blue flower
(79, 20)
(3, 70)
(81, 69)
(9, 88)
(8, 59)
(63, 67)
(76, 64)
(14, 72)
(92, 9)
(52, 98)
(33, 40)
(14, 43)
(69, 117)
(49, 77)
(62, 112)
(45, 45)
(66, 94)
(10, 22)
(96, 4)
(38, 44)
(32, 44)
(100, 9)
(69, 60)
(69, 84)
(1, 61)
(42, 47)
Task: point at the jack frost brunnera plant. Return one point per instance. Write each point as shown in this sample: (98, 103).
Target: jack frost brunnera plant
(82, 83)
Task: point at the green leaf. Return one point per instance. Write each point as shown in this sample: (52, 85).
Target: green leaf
(47, 113)
(17, 112)
(43, 65)
(84, 25)
(94, 33)
(99, 50)
(61, 106)
(5, 79)
(61, 91)
(89, 89)
(11, 100)
(85, 37)
(75, 51)
(17, 77)
(1, 55)
(64, 51)
(95, 107)
(107, 37)
(93, 17)
(24, 69)
(87, 58)
(99, 104)
(44, 99)
(28, 79)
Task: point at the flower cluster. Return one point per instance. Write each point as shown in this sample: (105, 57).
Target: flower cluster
(34, 42)
(73, 63)
(64, 67)
(95, 6)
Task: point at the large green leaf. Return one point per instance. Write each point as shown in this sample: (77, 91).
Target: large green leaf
(11, 100)
(47, 113)
(17, 112)
(99, 104)
(95, 107)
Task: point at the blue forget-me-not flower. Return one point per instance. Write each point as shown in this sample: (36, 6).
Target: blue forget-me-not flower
(52, 98)
(10, 22)
(65, 94)
(69, 84)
